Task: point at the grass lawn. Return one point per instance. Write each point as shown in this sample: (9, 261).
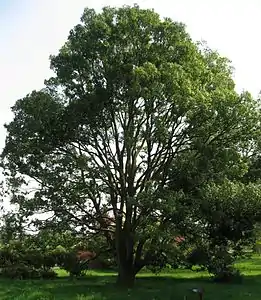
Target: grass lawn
(166, 286)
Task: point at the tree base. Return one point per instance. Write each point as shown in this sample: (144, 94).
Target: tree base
(126, 279)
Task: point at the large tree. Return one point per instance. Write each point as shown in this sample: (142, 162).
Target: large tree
(132, 104)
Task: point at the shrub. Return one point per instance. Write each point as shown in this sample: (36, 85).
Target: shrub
(217, 260)
(32, 258)
(8, 256)
(221, 265)
(48, 274)
(228, 274)
(20, 271)
(26, 263)
(257, 247)
(23, 271)
(197, 256)
(17, 261)
(49, 260)
(70, 262)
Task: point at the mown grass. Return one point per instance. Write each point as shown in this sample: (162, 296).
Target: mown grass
(166, 286)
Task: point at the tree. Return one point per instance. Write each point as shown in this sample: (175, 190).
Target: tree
(133, 101)
(229, 213)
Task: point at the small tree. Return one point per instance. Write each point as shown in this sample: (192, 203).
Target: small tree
(229, 212)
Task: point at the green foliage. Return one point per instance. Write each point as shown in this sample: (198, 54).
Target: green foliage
(24, 271)
(257, 247)
(228, 214)
(133, 139)
(17, 261)
(69, 261)
(223, 270)
(218, 261)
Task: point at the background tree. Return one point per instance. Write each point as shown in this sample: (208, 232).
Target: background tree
(133, 102)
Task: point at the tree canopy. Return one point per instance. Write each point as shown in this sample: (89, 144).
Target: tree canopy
(138, 128)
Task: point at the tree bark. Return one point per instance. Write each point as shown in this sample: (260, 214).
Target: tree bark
(126, 276)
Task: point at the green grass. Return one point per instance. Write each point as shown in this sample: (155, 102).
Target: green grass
(166, 286)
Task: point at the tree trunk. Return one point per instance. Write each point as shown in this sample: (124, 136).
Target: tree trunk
(126, 276)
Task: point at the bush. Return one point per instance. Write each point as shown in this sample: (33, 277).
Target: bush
(48, 274)
(49, 260)
(257, 247)
(197, 256)
(217, 260)
(8, 256)
(221, 265)
(17, 261)
(228, 274)
(23, 271)
(20, 271)
(26, 264)
(32, 258)
(70, 262)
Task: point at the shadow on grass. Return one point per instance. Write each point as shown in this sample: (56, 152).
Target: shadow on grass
(146, 288)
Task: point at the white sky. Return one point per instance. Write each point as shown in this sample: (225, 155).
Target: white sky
(31, 30)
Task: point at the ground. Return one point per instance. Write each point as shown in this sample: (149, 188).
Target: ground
(167, 286)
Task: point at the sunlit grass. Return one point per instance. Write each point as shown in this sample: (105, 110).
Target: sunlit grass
(166, 286)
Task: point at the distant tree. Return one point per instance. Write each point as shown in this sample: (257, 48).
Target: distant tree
(133, 102)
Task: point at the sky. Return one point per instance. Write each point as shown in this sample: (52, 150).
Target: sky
(31, 30)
